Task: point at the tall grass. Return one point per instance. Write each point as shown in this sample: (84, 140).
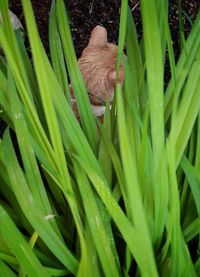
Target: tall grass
(118, 198)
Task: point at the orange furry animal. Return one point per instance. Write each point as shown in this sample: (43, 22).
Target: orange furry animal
(98, 68)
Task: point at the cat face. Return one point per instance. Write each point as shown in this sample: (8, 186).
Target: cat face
(98, 67)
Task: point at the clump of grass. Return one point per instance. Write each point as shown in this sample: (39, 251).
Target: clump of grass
(120, 199)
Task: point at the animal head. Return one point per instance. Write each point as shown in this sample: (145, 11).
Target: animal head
(98, 67)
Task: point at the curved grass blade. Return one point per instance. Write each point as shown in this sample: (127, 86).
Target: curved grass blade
(155, 87)
(130, 234)
(134, 59)
(5, 270)
(29, 161)
(183, 67)
(47, 89)
(84, 107)
(30, 209)
(122, 32)
(96, 218)
(192, 230)
(56, 51)
(187, 111)
(20, 247)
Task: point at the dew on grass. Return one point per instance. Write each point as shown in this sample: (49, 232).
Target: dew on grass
(97, 221)
(49, 216)
(93, 259)
(30, 198)
(18, 115)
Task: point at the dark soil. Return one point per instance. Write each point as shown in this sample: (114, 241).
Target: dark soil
(84, 15)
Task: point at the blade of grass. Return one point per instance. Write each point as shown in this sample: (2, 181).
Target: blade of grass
(193, 176)
(40, 62)
(101, 237)
(122, 32)
(56, 51)
(20, 247)
(27, 203)
(154, 65)
(135, 62)
(128, 232)
(192, 230)
(5, 270)
(82, 100)
(137, 214)
(188, 110)
(183, 67)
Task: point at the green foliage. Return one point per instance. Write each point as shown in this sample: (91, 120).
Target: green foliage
(118, 198)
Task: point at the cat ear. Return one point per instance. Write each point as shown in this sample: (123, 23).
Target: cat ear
(98, 37)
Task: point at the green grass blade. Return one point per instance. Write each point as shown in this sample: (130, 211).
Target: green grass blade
(129, 233)
(87, 119)
(192, 230)
(193, 176)
(29, 207)
(155, 87)
(46, 91)
(154, 65)
(5, 270)
(57, 56)
(135, 62)
(122, 32)
(101, 237)
(188, 110)
(137, 214)
(183, 66)
(20, 247)
(29, 161)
